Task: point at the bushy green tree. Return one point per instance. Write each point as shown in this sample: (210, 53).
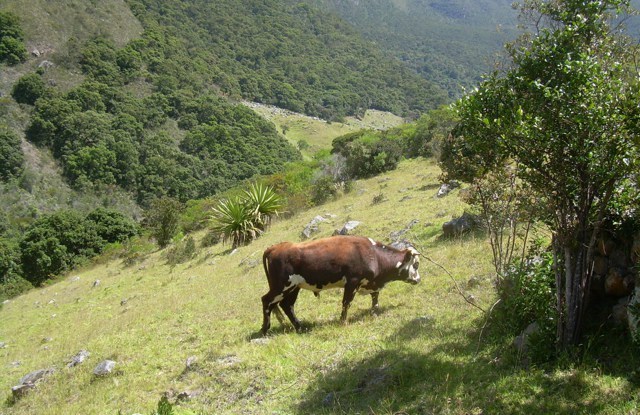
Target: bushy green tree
(11, 155)
(28, 89)
(566, 112)
(12, 49)
(163, 219)
(55, 243)
(112, 226)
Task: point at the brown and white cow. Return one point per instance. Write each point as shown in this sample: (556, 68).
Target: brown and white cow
(351, 262)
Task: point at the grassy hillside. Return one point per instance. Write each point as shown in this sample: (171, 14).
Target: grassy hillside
(319, 133)
(421, 355)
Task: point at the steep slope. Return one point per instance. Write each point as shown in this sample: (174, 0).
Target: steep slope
(451, 43)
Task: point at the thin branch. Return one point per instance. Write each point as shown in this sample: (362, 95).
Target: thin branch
(456, 284)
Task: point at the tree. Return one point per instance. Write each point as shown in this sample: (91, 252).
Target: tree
(11, 155)
(163, 218)
(28, 89)
(12, 49)
(566, 113)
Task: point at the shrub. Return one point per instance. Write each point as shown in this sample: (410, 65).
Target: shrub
(527, 294)
(163, 219)
(242, 219)
(28, 89)
(11, 155)
(323, 189)
(113, 226)
(233, 220)
(182, 251)
(57, 242)
(12, 49)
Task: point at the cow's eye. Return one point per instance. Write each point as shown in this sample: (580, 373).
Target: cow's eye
(415, 265)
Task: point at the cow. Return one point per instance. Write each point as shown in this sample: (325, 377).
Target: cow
(354, 263)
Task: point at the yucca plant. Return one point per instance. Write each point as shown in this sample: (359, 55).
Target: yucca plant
(264, 203)
(235, 222)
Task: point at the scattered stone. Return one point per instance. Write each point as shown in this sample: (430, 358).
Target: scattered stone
(15, 364)
(250, 262)
(446, 188)
(47, 339)
(36, 376)
(348, 227)
(186, 395)
(124, 301)
(521, 342)
(95, 284)
(3, 345)
(19, 391)
(191, 362)
(104, 368)
(395, 236)
(459, 226)
(260, 341)
(405, 198)
(74, 279)
(46, 65)
(29, 381)
(36, 53)
(229, 360)
(312, 227)
(80, 357)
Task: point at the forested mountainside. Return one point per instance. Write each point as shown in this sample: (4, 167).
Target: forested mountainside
(290, 55)
(451, 43)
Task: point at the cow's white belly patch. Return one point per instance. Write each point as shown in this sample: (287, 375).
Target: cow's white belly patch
(296, 280)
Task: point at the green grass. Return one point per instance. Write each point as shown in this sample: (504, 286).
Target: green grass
(421, 355)
(319, 133)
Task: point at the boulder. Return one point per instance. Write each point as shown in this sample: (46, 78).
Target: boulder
(617, 284)
(521, 342)
(312, 227)
(104, 368)
(80, 357)
(29, 381)
(459, 226)
(348, 227)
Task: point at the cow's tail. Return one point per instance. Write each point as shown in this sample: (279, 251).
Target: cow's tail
(265, 263)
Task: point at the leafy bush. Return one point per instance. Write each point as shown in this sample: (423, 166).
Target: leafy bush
(527, 295)
(57, 242)
(12, 49)
(163, 219)
(324, 189)
(28, 89)
(368, 153)
(113, 226)
(11, 155)
(182, 251)
(11, 281)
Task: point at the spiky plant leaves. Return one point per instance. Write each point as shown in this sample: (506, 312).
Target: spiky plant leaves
(235, 222)
(264, 203)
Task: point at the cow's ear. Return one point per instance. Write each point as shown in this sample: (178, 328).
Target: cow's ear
(408, 255)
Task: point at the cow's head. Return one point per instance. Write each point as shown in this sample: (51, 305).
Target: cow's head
(408, 268)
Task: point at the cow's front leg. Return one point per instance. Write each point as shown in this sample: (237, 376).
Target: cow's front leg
(375, 307)
(349, 292)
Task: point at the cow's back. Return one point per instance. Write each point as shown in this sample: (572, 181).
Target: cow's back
(331, 258)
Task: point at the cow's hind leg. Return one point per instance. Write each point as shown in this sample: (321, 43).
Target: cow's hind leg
(269, 301)
(375, 307)
(287, 304)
